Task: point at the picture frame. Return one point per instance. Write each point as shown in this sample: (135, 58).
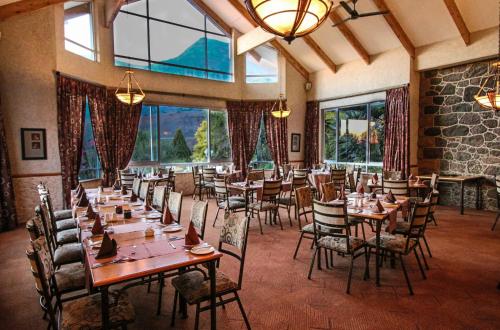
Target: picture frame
(33, 143)
(295, 144)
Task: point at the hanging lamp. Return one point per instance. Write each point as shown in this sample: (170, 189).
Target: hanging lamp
(289, 18)
(280, 110)
(128, 94)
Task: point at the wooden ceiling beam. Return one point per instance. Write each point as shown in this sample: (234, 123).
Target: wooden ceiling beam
(451, 5)
(349, 36)
(290, 59)
(111, 9)
(320, 52)
(216, 18)
(24, 6)
(396, 27)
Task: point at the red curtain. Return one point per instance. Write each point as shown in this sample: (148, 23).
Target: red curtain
(115, 129)
(8, 218)
(311, 136)
(277, 137)
(244, 122)
(71, 95)
(397, 132)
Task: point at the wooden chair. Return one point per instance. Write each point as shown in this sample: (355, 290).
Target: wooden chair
(136, 186)
(397, 187)
(300, 172)
(332, 233)
(126, 178)
(268, 202)
(284, 170)
(255, 175)
(159, 197)
(175, 205)
(193, 285)
(144, 192)
(197, 181)
(338, 177)
(208, 177)
(352, 182)
(62, 236)
(63, 218)
(328, 192)
(401, 245)
(304, 196)
(497, 184)
(224, 199)
(392, 175)
(287, 200)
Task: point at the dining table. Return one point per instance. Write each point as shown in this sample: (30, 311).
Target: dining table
(146, 247)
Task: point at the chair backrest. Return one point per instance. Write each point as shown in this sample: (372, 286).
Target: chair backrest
(158, 200)
(433, 201)
(35, 227)
(434, 181)
(398, 187)
(175, 204)
(234, 232)
(144, 190)
(338, 176)
(357, 173)
(255, 175)
(91, 183)
(127, 179)
(303, 198)
(300, 172)
(392, 175)
(331, 218)
(285, 169)
(271, 190)
(328, 191)
(136, 186)
(209, 174)
(352, 182)
(364, 179)
(48, 218)
(497, 184)
(221, 192)
(199, 216)
(299, 182)
(195, 171)
(418, 220)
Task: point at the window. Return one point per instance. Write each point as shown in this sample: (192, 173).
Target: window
(79, 29)
(355, 135)
(90, 167)
(171, 37)
(261, 65)
(181, 135)
(262, 157)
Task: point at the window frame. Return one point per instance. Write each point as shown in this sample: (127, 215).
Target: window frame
(133, 163)
(206, 32)
(93, 21)
(368, 163)
(97, 170)
(263, 76)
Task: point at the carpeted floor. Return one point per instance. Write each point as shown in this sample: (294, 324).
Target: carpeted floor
(459, 293)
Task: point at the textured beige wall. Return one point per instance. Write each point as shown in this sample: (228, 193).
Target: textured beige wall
(296, 100)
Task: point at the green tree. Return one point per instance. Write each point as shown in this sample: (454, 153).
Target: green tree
(200, 148)
(220, 147)
(142, 146)
(180, 150)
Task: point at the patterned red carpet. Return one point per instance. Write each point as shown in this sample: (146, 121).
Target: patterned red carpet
(459, 293)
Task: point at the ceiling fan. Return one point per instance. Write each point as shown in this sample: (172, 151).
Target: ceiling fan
(354, 13)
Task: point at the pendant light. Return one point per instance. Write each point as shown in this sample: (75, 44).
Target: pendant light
(289, 18)
(280, 110)
(128, 94)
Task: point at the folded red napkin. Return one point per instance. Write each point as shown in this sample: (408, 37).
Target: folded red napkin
(360, 189)
(380, 208)
(116, 185)
(133, 197)
(167, 218)
(90, 212)
(97, 228)
(390, 197)
(191, 236)
(375, 178)
(83, 201)
(108, 248)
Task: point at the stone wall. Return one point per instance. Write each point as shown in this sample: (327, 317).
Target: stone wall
(456, 136)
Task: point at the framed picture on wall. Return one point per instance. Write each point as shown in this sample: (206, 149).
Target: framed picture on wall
(295, 142)
(33, 143)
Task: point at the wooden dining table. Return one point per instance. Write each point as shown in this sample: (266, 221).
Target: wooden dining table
(242, 188)
(138, 256)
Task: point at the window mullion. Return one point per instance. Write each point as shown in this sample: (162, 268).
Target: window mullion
(209, 152)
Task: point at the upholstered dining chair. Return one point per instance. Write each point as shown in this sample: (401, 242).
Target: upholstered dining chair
(63, 218)
(304, 197)
(61, 236)
(287, 199)
(209, 174)
(332, 233)
(397, 187)
(193, 286)
(352, 182)
(144, 191)
(497, 185)
(300, 172)
(159, 197)
(136, 186)
(197, 181)
(79, 312)
(268, 202)
(328, 192)
(199, 217)
(175, 205)
(404, 245)
(126, 178)
(224, 199)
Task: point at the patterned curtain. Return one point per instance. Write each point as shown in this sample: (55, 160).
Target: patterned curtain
(311, 136)
(71, 96)
(244, 122)
(397, 133)
(8, 218)
(277, 138)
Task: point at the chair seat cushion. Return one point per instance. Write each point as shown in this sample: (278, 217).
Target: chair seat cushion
(338, 244)
(65, 224)
(63, 214)
(237, 198)
(209, 184)
(233, 204)
(67, 254)
(70, 278)
(85, 313)
(393, 243)
(264, 206)
(402, 227)
(309, 228)
(286, 200)
(195, 288)
(67, 236)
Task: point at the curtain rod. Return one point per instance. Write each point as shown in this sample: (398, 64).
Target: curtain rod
(363, 93)
(58, 73)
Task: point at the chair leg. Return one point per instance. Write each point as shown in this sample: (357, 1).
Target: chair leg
(495, 223)
(197, 319)
(312, 263)
(406, 274)
(427, 246)
(327, 263)
(350, 275)
(423, 256)
(277, 215)
(216, 215)
(160, 293)
(367, 263)
(260, 223)
(242, 310)
(419, 264)
(434, 219)
(174, 308)
(319, 258)
(298, 245)
(222, 302)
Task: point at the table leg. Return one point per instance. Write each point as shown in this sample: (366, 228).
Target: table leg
(377, 252)
(246, 202)
(462, 197)
(478, 194)
(105, 307)
(213, 306)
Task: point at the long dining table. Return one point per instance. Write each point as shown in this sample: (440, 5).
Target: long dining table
(138, 256)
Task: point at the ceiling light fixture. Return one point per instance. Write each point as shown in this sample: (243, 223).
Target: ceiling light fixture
(129, 95)
(280, 110)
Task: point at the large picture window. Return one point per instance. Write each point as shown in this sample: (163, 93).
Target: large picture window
(262, 157)
(354, 135)
(171, 37)
(79, 29)
(261, 65)
(180, 136)
(90, 167)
